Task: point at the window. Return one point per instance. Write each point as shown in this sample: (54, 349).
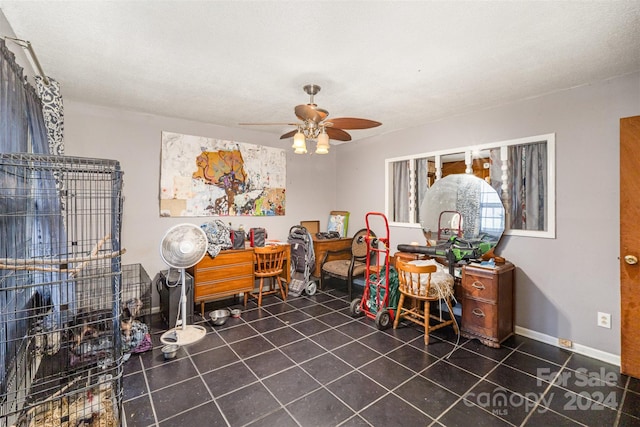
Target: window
(522, 171)
(491, 218)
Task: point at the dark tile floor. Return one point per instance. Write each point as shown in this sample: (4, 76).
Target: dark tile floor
(306, 362)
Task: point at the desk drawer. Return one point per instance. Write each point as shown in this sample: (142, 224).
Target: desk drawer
(227, 257)
(479, 317)
(477, 286)
(204, 290)
(222, 272)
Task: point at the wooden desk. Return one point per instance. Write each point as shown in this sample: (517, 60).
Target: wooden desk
(229, 273)
(321, 246)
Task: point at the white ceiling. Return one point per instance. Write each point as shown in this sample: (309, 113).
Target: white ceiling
(400, 63)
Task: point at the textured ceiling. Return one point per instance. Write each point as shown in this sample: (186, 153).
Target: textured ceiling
(401, 63)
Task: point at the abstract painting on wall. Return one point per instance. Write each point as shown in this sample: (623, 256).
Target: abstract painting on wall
(202, 176)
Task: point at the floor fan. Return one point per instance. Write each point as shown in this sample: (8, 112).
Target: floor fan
(183, 246)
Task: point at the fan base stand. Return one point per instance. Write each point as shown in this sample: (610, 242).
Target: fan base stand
(183, 335)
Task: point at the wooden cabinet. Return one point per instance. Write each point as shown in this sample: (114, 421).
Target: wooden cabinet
(229, 273)
(321, 246)
(487, 303)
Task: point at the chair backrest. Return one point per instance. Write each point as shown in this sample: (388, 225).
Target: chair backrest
(359, 244)
(269, 259)
(414, 280)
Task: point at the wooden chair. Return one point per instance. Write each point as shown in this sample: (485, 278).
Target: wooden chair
(415, 283)
(269, 262)
(346, 269)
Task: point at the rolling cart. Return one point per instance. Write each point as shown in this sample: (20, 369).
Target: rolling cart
(375, 301)
(302, 261)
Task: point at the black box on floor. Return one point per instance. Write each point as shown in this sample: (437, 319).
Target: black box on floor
(168, 285)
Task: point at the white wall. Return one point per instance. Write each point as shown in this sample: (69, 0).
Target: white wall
(135, 141)
(558, 290)
(560, 283)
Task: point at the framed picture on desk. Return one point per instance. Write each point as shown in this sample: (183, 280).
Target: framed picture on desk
(339, 221)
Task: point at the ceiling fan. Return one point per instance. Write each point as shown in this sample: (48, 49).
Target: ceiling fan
(314, 125)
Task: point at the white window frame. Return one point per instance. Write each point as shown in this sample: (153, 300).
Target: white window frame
(550, 211)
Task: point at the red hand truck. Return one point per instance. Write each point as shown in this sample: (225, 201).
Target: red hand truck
(375, 299)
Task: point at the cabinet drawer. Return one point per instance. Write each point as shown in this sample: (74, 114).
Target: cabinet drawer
(222, 272)
(476, 286)
(479, 317)
(237, 284)
(227, 257)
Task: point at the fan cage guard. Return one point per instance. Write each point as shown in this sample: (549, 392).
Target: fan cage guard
(183, 245)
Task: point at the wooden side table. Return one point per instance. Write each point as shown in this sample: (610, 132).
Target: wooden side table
(487, 303)
(230, 273)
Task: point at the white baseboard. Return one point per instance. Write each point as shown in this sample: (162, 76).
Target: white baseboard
(611, 358)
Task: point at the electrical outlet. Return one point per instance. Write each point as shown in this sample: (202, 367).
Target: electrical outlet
(565, 343)
(604, 320)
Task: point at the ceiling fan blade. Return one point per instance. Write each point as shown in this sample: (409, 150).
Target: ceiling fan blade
(323, 113)
(337, 134)
(289, 134)
(309, 112)
(268, 124)
(353, 123)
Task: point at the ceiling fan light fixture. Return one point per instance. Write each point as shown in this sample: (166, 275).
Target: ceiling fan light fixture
(322, 147)
(299, 143)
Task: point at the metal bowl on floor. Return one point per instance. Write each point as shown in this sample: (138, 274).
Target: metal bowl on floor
(219, 317)
(169, 351)
(235, 313)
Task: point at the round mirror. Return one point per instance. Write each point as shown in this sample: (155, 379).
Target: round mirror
(464, 206)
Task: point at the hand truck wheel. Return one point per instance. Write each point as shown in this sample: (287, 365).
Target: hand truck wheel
(383, 319)
(355, 309)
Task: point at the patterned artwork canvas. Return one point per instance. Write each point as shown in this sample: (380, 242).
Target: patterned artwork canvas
(202, 176)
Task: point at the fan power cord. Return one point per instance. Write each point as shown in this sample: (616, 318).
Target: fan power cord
(168, 282)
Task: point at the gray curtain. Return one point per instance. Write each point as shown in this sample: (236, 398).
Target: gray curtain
(30, 215)
(422, 183)
(13, 230)
(527, 186)
(48, 235)
(13, 115)
(401, 191)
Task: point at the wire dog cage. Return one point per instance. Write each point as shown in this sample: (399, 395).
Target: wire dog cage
(60, 291)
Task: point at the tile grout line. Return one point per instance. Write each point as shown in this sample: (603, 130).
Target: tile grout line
(551, 383)
(146, 382)
(616, 422)
(372, 346)
(295, 364)
(483, 378)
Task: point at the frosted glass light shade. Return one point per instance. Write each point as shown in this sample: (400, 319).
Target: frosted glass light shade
(299, 143)
(322, 147)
